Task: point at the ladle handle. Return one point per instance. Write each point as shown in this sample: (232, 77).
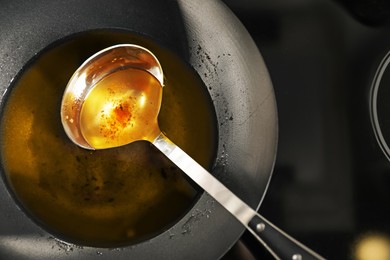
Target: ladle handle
(278, 243)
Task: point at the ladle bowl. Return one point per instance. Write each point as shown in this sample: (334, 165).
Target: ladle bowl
(98, 68)
(126, 111)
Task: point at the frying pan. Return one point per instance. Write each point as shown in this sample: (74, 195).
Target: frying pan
(210, 38)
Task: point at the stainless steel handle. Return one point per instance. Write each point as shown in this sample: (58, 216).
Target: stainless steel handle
(277, 242)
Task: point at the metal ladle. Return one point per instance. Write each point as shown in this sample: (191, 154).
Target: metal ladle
(129, 113)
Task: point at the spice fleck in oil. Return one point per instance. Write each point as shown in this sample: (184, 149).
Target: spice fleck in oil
(121, 108)
(105, 198)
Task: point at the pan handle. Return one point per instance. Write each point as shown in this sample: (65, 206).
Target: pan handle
(277, 242)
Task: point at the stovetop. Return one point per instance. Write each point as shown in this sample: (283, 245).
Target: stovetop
(330, 183)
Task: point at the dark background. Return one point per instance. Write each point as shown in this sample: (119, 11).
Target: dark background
(330, 184)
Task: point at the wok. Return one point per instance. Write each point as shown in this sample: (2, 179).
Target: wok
(211, 39)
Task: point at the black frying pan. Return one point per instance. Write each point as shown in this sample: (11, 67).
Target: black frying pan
(213, 41)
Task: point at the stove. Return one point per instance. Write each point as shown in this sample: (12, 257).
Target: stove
(330, 183)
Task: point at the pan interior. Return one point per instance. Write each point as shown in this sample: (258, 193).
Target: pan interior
(105, 198)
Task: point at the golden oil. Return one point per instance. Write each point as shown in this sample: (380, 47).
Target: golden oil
(105, 198)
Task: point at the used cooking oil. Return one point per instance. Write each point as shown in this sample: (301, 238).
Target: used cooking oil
(121, 108)
(103, 198)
